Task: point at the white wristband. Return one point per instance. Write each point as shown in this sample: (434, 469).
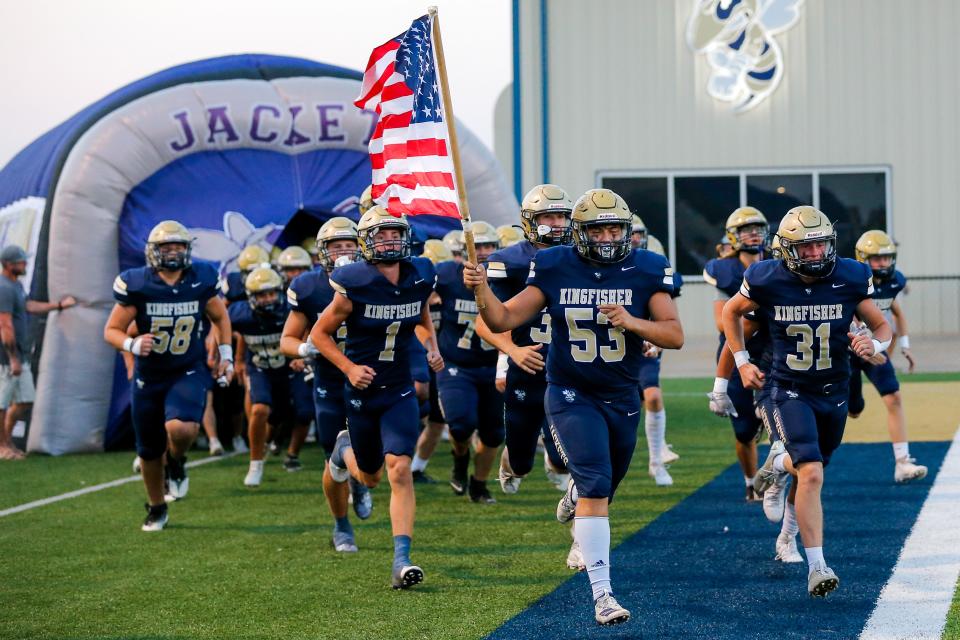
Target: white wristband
(741, 358)
(879, 347)
(720, 385)
(904, 342)
(226, 352)
(128, 345)
(307, 350)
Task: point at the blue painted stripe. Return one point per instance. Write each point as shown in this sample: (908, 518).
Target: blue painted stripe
(517, 114)
(682, 576)
(545, 89)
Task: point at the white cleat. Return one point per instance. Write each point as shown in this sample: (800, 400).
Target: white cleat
(766, 474)
(567, 507)
(509, 483)
(668, 456)
(254, 474)
(177, 489)
(775, 498)
(907, 470)
(575, 558)
(787, 551)
(660, 475)
(136, 465)
(216, 449)
(239, 446)
(822, 581)
(608, 611)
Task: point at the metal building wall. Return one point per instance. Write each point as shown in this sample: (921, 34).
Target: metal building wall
(866, 82)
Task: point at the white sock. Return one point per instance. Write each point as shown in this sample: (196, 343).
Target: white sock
(592, 533)
(789, 528)
(814, 558)
(655, 426)
(778, 463)
(418, 464)
(901, 450)
(748, 480)
(256, 465)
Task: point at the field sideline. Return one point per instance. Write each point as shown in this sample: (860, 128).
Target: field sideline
(258, 564)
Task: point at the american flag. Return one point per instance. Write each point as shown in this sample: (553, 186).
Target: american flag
(409, 150)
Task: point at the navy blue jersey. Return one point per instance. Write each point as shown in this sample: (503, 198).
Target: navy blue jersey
(808, 323)
(885, 292)
(459, 343)
(310, 293)
(175, 315)
(384, 315)
(587, 352)
(726, 274)
(261, 333)
(677, 285)
(507, 271)
(232, 287)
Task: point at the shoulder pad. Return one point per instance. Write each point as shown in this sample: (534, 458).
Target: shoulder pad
(448, 271)
(133, 279)
(301, 287)
(350, 276)
(710, 272)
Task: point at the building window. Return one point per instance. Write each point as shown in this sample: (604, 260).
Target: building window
(687, 210)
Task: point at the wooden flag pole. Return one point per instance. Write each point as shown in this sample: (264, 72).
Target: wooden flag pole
(454, 147)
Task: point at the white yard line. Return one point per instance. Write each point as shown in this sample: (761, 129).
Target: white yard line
(98, 487)
(915, 601)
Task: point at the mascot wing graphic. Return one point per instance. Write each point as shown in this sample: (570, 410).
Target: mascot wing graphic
(737, 38)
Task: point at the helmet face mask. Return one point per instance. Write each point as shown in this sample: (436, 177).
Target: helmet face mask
(814, 266)
(613, 250)
(747, 230)
(335, 251)
(638, 233)
(168, 247)
(751, 238)
(383, 237)
(601, 224)
(883, 272)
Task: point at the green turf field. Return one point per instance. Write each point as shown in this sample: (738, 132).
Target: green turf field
(238, 563)
(952, 630)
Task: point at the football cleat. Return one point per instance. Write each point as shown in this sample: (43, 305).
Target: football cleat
(406, 577)
(667, 455)
(343, 541)
(775, 498)
(458, 475)
(608, 611)
(177, 481)
(766, 475)
(156, 518)
(751, 496)
(362, 500)
(338, 468)
(136, 465)
(254, 474)
(509, 483)
(239, 446)
(216, 449)
(787, 551)
(660, 475)
(575, 558)
(421, 477)
(822, 581)
(292, 463)
(567, 507)
(479, 492)
(907, 470)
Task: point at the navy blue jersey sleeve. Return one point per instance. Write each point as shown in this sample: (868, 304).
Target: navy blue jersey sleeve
(660, 267)
(299, 289)
(710, 272)
(127, 285)
(754, 282)
(207, 279)
(426, 271)
(900, 279)
(677, 285)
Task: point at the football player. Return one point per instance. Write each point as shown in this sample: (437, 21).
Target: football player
(468, 395)
(604, 300)
(232, 287)
(383, 300)
(509, 235)
(876, 249)
(258, 325)
(453, 241)
(807, 300)
(292, 262)
(747, 230)
(169, 299)
(309, 245)
(308, 295)
(655, 416)
(545, 219)
(436, 252)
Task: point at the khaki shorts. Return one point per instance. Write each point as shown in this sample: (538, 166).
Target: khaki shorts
(15, 389)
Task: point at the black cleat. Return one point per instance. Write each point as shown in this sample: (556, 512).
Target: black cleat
(156, 518)
(479, 492)
(458, 475)
(292, 463)
(421, 477)
(176, 475)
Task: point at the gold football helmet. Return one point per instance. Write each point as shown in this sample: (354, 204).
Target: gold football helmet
(294, 258)
(805, 225)
(454, 242)
(484, 233)
(375, 220)
(338, 228)
(877, 243)
(509, 235)
(436, 252)
(655, 245)
(259, 282)
(545, 198)
(601, 207)
(776, 252)
(746, 217)
(168, 232)
(366, 200)
(310, 246)
(638, 229)
(252, 257)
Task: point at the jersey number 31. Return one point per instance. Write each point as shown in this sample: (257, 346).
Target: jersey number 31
(803, 359)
